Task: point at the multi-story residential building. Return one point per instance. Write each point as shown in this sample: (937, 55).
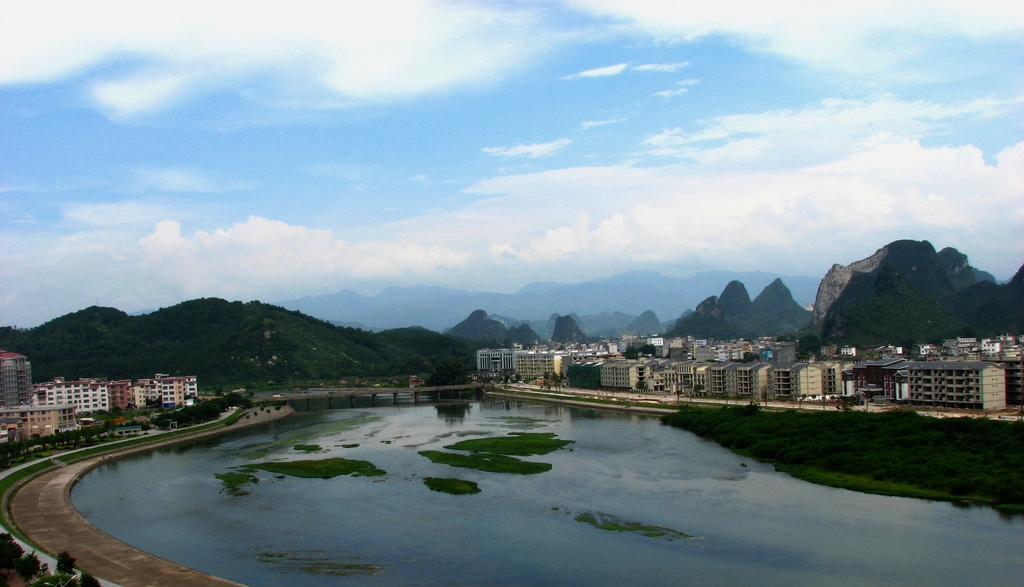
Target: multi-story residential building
(495, 360)
(531, 365)
(624, 375)
(792, 381)
(956, 384)
(121, 394)
(15, 379)
(169, 392)
(746, 380)
(41, 420)
(831, 377)
(87, 395)
(716, 380)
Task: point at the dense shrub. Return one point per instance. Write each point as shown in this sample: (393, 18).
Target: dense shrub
(958, 456)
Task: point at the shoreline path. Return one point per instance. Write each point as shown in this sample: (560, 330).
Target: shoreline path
(42, 511)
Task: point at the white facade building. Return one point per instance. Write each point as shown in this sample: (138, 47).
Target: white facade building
(86, 395)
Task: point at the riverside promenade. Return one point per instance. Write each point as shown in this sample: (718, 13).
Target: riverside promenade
(41, 510)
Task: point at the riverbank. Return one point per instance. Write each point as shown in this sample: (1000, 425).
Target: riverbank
(38, 508)
(610, 405)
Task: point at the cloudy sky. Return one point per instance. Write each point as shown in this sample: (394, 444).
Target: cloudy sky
(153, 152)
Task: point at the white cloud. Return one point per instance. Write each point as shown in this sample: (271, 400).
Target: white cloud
(868, 36)
(174, 179)
(587, 124)
(806, 217)
(530, 151)
(662, 67)
(354, 52)
(599, 72)
(113, 214)
(672, 93)
(815, 133)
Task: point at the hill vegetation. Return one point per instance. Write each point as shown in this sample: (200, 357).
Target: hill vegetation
(225, 342)
(895, 453)
(912, 294)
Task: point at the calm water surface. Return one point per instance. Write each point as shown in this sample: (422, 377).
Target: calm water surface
(751, 524)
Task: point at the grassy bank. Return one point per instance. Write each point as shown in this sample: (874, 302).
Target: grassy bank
(896, 453)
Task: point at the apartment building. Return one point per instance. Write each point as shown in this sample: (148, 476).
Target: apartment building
(121, 394)
(40, 420)
(624, 375)
(956, 384)
(791, 381)
(166, 391)
(15, 379)
(532, 365)
(86, 395)
(746, 380)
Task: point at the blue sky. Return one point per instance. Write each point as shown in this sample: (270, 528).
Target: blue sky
(156, 152)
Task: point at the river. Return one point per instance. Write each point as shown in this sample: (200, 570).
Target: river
(749, 524)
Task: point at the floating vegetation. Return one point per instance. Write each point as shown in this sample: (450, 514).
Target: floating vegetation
(322, 469)
(308, 447)
(350, 445)
(385, 442)
(615, 524)
(234, 483)
(452, 486)
(319, 562)
(491, 463)
(521, 444)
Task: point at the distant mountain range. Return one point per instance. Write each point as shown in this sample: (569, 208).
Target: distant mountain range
(603, 307)
(733, 315)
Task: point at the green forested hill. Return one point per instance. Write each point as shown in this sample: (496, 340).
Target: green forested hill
(224, 342)
(917, 295)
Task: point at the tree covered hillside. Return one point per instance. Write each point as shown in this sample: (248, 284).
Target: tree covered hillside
(224, 342)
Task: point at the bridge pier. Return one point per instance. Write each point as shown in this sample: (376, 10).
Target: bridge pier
(352, 401)
(307, 403)
(330, 402)
(395, 395)
(415, 397)
(373, 398)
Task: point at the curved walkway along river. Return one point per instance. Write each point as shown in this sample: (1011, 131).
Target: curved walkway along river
(41, 509)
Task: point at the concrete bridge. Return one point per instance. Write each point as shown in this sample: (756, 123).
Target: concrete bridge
(331, 393)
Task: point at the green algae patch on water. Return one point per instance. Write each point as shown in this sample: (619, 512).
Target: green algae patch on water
(612, 523)
(308, 447)
(452, 486)
(323, 469)
(234, 483)
(521, 444)
(486, 462)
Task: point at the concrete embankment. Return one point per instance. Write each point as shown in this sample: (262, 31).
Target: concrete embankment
(41, 510)
(632, 409)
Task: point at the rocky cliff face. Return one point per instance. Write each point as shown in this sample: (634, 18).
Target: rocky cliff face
(839, 276)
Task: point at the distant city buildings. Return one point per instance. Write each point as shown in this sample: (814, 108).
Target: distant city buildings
(962, 373)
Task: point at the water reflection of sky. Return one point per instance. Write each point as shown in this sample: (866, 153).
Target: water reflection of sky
(754, 525)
